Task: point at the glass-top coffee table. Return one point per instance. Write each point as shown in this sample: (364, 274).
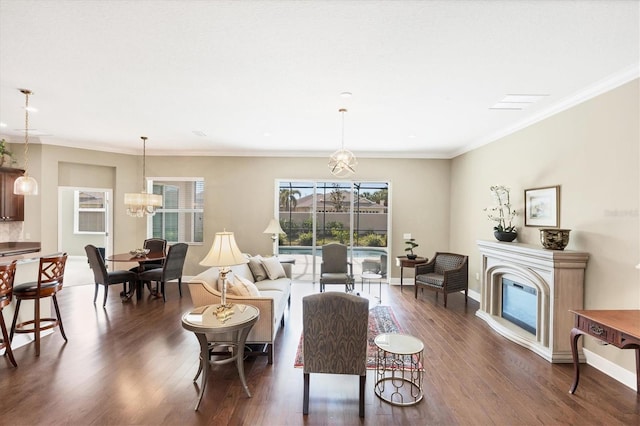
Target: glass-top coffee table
(399, 368)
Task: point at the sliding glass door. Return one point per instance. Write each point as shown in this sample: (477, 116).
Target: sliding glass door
(315, 213)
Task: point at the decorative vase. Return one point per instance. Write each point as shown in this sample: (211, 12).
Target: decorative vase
(554, 239)
(505, 236)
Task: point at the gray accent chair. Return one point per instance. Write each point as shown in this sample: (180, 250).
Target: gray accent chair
(171, 270)
(335, 338)
(102, 277)
(335, 267)
(446, 273)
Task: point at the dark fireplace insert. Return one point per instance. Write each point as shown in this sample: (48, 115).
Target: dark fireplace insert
(519, 304)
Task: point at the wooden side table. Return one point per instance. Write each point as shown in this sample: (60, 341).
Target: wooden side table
(403, 262)
(620, 328)
(203, 321)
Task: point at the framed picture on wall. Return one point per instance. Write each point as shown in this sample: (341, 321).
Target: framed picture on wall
(542, 206)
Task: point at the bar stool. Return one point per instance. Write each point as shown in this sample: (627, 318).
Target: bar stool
(49, 282)
(7, 275)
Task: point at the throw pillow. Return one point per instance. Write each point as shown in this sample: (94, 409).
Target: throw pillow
(255, 264)
(246, 287)
(273, 267)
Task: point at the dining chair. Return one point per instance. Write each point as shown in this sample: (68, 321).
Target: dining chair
(171, 270)
(154, 245)
(102, 277)
(50, 278)
(7, 275)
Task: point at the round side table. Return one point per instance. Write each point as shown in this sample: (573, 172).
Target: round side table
(370, 276)
(203, 321)
(399, 369)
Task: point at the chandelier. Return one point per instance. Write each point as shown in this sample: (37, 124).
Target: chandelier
(342, 163)
(25, 184)
(142, 203)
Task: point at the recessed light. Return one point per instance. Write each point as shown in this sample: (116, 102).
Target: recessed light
(346, 94)
(3, 124)
(199, 133)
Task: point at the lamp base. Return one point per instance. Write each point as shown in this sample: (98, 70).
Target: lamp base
(223, 312)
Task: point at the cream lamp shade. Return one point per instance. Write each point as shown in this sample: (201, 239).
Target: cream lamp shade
(224, 252)
(274, 227)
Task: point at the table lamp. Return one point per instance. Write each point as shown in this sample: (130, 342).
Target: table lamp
(274, 229)
(224, 253)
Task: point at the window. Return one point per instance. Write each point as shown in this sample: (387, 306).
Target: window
(90, 212)
(181, 218)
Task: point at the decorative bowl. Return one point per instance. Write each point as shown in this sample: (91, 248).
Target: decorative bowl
(554, 239)
(139, 252)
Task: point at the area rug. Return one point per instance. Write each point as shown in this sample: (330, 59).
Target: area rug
(381, 320)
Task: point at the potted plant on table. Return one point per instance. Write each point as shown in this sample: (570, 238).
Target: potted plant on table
(503, 214)
(411, 244)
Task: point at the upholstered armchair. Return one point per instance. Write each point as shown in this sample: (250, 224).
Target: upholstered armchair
(446, 273)
(335, 267)
(335, 338)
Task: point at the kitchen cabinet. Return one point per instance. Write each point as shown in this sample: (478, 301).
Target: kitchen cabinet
(11, 205)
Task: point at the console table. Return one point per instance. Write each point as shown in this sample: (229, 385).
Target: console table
(620, 328)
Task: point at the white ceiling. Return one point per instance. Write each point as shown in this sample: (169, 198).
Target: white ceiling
(265, 77)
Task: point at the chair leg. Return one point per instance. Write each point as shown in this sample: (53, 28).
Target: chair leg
(36, 324)
(55, 304)
(15, 319)
(305, 398)
(270, 353)
(7, 341)
(106, 292)
(362, 381)
(164, 295)
(95, 294)
(180, 286)
(445, 298)
(465, 296)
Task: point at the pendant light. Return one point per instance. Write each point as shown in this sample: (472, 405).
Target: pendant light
(342, 162)
(25, 184)
(142, 203)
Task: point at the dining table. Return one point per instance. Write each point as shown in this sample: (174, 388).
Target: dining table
(140, 259)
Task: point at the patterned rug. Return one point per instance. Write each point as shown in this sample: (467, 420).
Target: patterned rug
(381, 320)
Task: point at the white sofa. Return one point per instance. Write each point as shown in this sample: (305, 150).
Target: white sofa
(274, 299)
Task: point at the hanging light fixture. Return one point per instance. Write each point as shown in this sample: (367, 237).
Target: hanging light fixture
(25, 184)
(142, 203)
(342, 162)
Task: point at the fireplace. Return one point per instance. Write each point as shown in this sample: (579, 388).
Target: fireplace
(519, 305)
(527, 292)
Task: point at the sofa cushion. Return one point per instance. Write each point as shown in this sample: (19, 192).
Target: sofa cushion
(255, 264)
(243, 287)
(273, 267)
(281, 284)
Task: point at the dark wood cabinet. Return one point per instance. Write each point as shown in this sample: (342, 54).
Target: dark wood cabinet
(11, 205)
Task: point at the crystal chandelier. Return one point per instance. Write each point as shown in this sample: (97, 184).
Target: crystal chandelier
(25, 184)
(142, 203)
(342, 162)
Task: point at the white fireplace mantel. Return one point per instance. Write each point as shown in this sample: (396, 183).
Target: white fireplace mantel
(558, 277)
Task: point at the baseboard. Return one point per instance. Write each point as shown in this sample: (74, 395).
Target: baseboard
(611, 369)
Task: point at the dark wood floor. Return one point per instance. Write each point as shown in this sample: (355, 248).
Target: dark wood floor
(133, 364)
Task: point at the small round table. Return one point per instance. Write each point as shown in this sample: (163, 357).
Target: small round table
(370, 276)
(399, 363)
(238, 321)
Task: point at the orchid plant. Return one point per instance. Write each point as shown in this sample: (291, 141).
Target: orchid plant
(503, 213)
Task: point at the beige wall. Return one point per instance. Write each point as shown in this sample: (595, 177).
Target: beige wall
(240, 195)
(592, 152)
